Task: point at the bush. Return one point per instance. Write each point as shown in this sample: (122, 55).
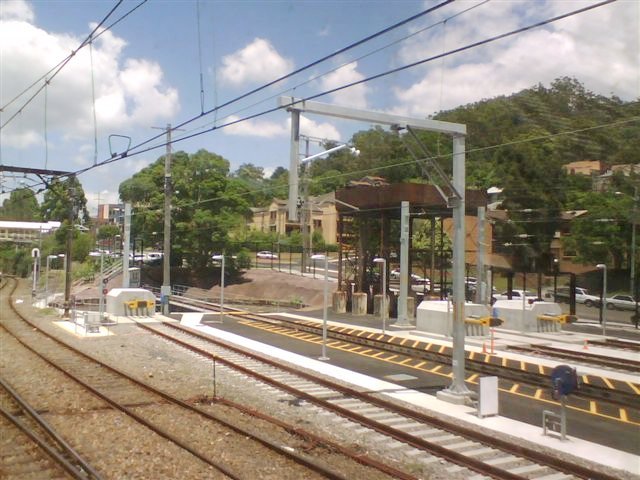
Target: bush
(243, 259)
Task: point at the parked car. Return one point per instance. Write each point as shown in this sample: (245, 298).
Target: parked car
(621, 302)
(582, 296)
(153, 258)
(530, 297)
(415, 278)
(267, 255)
(419, 284)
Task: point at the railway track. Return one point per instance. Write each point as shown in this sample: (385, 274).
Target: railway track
(617, 343)
(172, 419)
(535, 376)
(627, 365)
(31, 447)
(416, 435)
(618, 394)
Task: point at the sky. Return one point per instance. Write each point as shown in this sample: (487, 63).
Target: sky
(168, 61)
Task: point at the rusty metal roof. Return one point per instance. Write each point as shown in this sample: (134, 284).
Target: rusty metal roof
(386, 197)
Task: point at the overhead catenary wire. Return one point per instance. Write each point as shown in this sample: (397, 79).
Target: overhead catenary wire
(306, 67)
(50, 74)
(373, 77)
(314, 78)
(133, 151)
(387, 72)
(382, 168)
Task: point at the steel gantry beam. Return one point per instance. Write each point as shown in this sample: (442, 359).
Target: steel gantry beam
(457, 391)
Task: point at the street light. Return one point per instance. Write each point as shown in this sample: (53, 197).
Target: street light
(555, 278)
(325, 302)
(603, 310)
(220, 258)
(383, 306)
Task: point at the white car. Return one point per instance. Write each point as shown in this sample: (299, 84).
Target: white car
(267, 255)
(530, 297)
(621, 302)
(582, 296)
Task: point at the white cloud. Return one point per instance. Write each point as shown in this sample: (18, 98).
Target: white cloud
(255, 128)
(319, 130)
(258, 62)
(16, 10)
(355, 96)
(270, 129)
(128, 92)
(599, 48)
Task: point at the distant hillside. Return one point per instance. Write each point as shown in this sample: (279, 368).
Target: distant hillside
(568, 123)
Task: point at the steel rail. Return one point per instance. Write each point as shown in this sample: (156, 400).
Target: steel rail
(302, 459)
(620, 398)
(590, 358)
(617, 343)
(443, 452)
(58, 449)
(507, 446)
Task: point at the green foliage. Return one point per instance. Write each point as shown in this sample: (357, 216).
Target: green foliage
(65, 200)
(15, 260)
(243, 259)
(602, 235)
(82, 245)
(21, 205)
(208, 204)
(86, 270)
(108, 231)
(519, 143)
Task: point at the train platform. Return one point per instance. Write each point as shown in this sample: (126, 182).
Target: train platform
(571, 445)
(502, 340)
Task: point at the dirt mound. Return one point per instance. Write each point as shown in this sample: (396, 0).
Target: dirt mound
(263, 284)
(255, 284)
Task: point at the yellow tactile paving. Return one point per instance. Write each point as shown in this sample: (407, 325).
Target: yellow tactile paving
(539, 394)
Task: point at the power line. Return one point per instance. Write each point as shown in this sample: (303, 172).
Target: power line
(306, 67)
(356, 59)
(381, 168)
(128, 153)
(374, 77)
(58, 67)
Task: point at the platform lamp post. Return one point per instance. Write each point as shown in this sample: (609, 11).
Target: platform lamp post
(603, 301)
(555, 277)
(324, 303)
(220, 258)
(383, 306)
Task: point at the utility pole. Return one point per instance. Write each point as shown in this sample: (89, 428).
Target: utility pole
(632, 269)
(305, 212)
(67, 258)
(481, 296)
(165, 290)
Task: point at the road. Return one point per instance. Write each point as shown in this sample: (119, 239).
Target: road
(593, 313)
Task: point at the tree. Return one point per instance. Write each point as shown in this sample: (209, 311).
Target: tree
(602, 235)
(534, 197)
(21, 205)
(207, 205)
(65, 200)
